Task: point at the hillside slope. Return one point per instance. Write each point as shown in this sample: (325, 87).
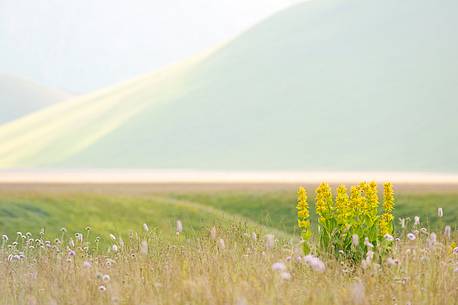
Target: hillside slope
(19, 97)
(325, 85)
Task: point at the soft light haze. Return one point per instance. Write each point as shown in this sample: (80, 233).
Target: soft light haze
(81, 45)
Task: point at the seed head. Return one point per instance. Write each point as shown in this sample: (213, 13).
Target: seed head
(179, 227)
(447, 232)
(411, 236)
(270, 241)
(440, 212)
(355, 240)
(279, 266)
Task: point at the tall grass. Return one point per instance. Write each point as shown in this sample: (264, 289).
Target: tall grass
(227, 264)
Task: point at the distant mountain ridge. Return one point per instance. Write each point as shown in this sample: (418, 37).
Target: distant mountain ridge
(359, 85)
(19, 97)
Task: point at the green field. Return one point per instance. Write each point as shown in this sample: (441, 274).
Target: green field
(121, 209)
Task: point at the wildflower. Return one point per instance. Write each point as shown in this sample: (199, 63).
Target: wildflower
(303, 217)
(102, 288)
(416, 220)
(270, 241)
(392, 262)
(369, 255)
(285, 275)
(315, 263)
(372, 198)
(5, 237)
(114, 248)
(455, 250)
(112, 237)
(424, 230)
(367, 243)
(71, 253)
(411, 236)
(213, 233)
(343, 206)
(79, 237)
(389, 237)
(386, 219)
(145, 227)
(87, 264)
(179, 227)
(144, 247)
(279, 266)
(355, 240)
(440, 212)
(324, 202)
(106, 278)
(221, 244)
(447, 232)
(254, 237)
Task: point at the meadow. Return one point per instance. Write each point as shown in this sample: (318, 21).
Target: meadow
(237, 245)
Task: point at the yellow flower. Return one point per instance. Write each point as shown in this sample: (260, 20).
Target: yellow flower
(324, 202)
(388, 197)
(303, 213)
(343, 207)
(372, 198)
(386, 224)
(357, 201)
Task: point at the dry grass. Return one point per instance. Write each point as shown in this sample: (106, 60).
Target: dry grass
(194, 268)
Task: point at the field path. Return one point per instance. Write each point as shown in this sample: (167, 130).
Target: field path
(224, 215)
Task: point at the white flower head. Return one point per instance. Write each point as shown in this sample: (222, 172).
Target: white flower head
(285, 275)
(369, 255)
(440, 212)
(392, 262)
(254, 237)
(106, 278)
(279, 266)
(5, 237)
(87, 264)
(213, 233)
(270, 241)
(315, 263)
(367, 243)
(416, 221)
(145, 227)
(389, 237)
(355, 240)
(221, 244)
(102, 288)
(112, 237)
(179, 227)
(447, 232)
(144, 247)
(114, 248)
(411, 236)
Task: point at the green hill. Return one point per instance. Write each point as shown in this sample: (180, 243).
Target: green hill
(324, 85)
(19, 97)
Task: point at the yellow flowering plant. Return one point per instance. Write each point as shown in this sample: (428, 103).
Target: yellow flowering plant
(349, 225)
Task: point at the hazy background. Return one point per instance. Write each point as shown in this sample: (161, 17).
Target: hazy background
(81, 45)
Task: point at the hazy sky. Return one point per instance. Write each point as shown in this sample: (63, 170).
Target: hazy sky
(81, 45)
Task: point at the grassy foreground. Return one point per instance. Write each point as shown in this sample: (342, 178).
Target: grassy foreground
(216, 259)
